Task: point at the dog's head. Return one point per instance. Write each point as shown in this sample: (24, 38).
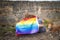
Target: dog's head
(54, 28)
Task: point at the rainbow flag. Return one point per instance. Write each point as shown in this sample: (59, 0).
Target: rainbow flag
(27, 26)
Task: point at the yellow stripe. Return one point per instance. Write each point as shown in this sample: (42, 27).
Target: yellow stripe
(28, 21)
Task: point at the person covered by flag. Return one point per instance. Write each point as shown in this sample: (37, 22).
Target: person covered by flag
(42, 27)
(30, 24)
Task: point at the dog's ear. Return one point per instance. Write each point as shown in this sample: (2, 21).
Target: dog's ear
(27, 15)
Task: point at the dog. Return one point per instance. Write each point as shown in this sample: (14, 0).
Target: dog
(53, 28)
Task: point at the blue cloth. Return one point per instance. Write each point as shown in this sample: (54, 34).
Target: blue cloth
(40, 21)
(42, 29)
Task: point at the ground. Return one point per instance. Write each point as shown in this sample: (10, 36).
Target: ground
(37, 36)
(8, 33)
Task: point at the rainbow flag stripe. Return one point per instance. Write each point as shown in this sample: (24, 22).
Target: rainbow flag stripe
(27, 26)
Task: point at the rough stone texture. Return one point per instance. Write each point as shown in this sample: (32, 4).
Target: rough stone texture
(12, 12)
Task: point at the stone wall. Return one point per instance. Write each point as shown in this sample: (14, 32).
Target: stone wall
(12, 12)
